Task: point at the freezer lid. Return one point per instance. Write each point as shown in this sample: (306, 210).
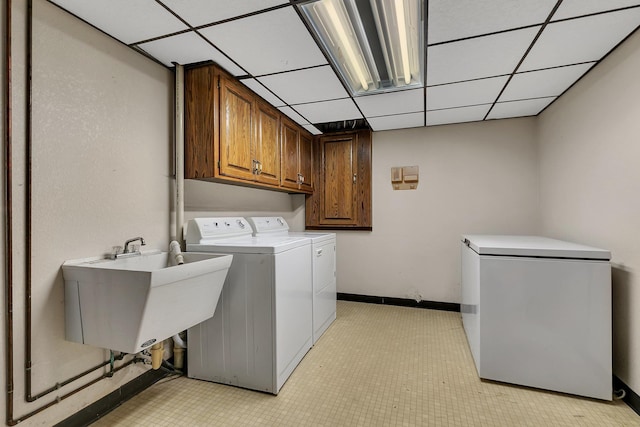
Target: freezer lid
(532, 246)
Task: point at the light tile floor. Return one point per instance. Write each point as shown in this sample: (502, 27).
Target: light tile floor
(375, 366)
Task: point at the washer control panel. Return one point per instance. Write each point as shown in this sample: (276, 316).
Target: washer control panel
(200, 229)
(268, 224)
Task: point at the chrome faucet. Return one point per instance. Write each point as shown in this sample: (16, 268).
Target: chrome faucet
(126, 244)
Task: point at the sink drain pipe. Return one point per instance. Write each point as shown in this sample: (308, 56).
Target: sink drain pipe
(179, 345)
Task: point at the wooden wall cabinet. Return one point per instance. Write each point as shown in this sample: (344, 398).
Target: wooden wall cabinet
(233, 135)
(296, 159)
(342, 165)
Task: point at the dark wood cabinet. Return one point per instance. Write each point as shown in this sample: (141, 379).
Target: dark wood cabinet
(296, 160)
(234, 136)
(342, 164)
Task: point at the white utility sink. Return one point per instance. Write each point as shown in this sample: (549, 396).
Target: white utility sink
(128, 304)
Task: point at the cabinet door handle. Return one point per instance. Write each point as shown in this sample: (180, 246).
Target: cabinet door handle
(257, 167)
(355, 178)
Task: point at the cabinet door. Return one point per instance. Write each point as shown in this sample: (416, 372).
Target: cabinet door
(305, 161)
(236, 110)
(338, 175)
(289, 169)
(267, 147)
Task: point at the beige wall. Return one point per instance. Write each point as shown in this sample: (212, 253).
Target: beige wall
(101, 174)
(210, 199)
(474, 178)
(590, 184)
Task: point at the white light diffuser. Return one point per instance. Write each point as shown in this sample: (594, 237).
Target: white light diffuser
(375, 45)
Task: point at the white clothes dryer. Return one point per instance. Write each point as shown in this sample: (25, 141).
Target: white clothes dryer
(262, 326)
(323, 263)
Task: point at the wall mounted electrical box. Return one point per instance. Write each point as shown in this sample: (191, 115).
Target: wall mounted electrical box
(404, 177)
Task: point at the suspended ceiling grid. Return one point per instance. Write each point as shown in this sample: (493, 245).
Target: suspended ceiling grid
(486, 59)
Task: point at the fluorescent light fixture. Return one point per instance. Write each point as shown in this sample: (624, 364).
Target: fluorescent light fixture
(375, 45)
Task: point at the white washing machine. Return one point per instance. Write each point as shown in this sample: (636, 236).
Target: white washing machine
(537, 312)
(323, 255)
(262, 326)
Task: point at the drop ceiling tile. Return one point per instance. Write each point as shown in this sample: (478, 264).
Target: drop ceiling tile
(571, 8)
(293, 115)
(457, 115)
(311, 128)
(308, 85)
(127, 20)
(397, 121)
(474, 92)
(406, 101)
(452, 20)
(528, 107)
(538, 84)
(329, 111)
(255, 86)
(270, 42)
(580, 40)
(188, 48)
(200, 12)
(476, 58)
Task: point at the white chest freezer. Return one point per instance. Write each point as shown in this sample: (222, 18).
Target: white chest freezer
(537, 312)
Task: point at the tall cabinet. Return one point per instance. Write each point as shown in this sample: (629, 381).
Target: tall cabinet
(342, 162)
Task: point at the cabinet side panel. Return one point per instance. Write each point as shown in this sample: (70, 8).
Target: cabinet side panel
(306, 161)
(201, 100)
(289, 169)
(312, 201)
(364, 179)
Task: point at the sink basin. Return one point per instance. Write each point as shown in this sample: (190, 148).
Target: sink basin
(128, 304)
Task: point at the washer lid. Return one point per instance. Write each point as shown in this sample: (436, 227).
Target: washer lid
(532, 246)
(249, 245)
(316, 237)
